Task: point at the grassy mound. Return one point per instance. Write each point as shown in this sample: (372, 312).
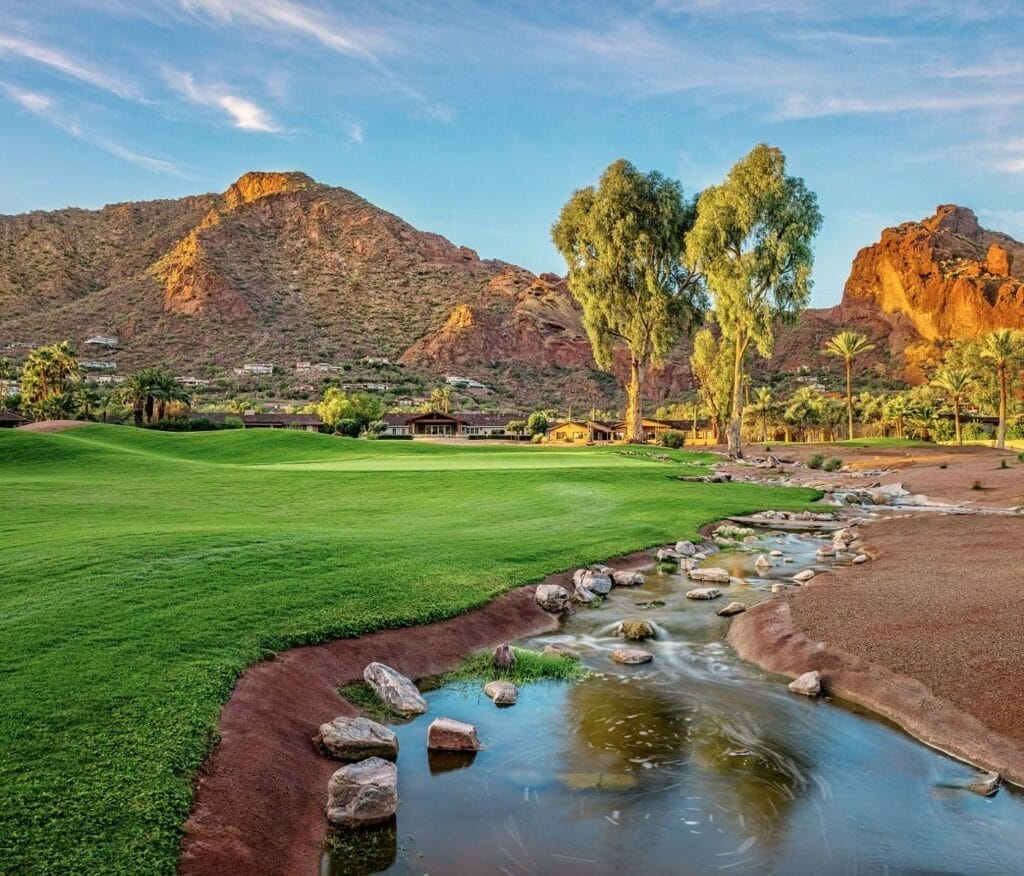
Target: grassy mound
(143, 571)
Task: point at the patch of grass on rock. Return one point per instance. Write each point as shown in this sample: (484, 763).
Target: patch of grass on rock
(529, 666)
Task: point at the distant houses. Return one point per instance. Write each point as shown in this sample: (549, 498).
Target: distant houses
(255, 368)
(11, 420)
(436, 424)
(303, 422)
(102, 341)
(596, 431)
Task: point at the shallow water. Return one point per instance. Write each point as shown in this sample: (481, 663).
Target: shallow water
(697, 762)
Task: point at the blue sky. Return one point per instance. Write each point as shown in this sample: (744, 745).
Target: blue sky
(477, 119)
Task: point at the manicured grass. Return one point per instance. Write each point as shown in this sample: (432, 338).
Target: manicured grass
(529, 666)
(142, 572)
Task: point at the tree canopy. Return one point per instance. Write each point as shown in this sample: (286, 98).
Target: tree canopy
(624, 242)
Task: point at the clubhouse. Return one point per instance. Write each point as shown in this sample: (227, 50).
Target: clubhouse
(597, 431)
(436, 424)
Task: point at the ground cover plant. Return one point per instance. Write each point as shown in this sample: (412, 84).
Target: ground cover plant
(143, 571)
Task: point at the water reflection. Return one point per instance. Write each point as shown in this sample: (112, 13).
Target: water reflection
(694, 763)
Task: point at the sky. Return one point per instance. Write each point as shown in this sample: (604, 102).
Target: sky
(478, 118)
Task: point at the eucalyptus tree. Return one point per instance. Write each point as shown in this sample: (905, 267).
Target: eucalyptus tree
(956, 383)
(1003, 349)
(624, 242)
(847, 346)
(711, 366)
(752, 242)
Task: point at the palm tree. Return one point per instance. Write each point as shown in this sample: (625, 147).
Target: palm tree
(441, 398)
(137, 390)
(896, 411)
(846, 346)
(86, 397)
(956, 383)
(1003, 348)
(763, 404)
(166, 388)
(7, 372)
(44, 375)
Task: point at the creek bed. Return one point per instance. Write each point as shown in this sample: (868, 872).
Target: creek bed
(697, 762)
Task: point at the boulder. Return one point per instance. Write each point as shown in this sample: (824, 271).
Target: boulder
(637, 629)
(825, 551)
(393, 689)
(779, 588)
(364, 793)
(762, 562)
(504, 657)
(504, 693)
(808, 684)
(560, 650)
(803, 576)
(353, 739)
(738, 582)
(687, 563)
(551, 597)
(631, 656)
(686, 548)
(447, 734)
(665, 554)
(986, 785)
(860, 558)
(600, 583)
(731, 609)
(711, 574)
(582, 593)
(775, 553)
(628, 579)
(704, 593)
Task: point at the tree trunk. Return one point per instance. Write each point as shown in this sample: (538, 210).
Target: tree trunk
(849, 397)
(137, 411)
(736, 423)
(149, 408)
(1001, 435)
(634, 413)
(956, 420)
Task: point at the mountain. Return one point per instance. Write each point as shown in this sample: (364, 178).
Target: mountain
(280, 268)
(939, 279)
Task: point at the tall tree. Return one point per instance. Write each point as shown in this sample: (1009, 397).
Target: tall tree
(764, 406)
(441, 398)
(46, 373)
(1003, 349)
(752, 242)
(624, 243)
(847, 346)
(956, 383)
(711, 366)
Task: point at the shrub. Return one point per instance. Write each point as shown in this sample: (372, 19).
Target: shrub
(201, 424)
(1003, 463)
(673, 439)
(538, 438)
(348, 427)
(833, 464)
(1020, 457)
(817, 460)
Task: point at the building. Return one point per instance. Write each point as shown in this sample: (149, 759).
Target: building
(102, 341)
(192, 382)
(436, 424)
(256, 368)
(92, 365)
(11, 420)
(572, 431)
(304, 422)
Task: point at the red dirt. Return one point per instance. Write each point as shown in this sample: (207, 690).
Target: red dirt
(55, 425)
(927, 635)
(259, 805)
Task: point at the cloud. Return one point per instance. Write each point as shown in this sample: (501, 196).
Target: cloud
(57, 60)
(355, 133)
(46, 107)
(800, 106)
(245, 114)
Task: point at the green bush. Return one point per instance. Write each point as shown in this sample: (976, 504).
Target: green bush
(202, 424)
(833, 464)
(673, 439)
(817, 460)
(347, 427)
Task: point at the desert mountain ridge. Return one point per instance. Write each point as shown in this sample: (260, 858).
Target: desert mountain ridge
(280, 268)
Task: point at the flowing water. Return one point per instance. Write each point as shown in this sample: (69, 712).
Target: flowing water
(694, 763)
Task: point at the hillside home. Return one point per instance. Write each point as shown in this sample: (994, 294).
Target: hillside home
(102, 341)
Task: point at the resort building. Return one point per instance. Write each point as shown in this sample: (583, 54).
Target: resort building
(593, 431)
(436, 424)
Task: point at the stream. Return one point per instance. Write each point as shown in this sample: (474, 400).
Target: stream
(695, 763)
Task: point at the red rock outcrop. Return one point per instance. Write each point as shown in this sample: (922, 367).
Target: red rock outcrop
(942, 278)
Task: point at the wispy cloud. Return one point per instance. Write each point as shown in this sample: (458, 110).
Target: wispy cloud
(800, 106)
(62, 63)
(244, 113)
(47, 108)
(355, 133)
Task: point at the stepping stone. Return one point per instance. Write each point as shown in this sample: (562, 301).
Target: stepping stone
(860, 558)
(638, 629)
(447, 734)
(503, 693)
(561, 650)
(712, 574)
(628, 579)
(808, 684)
(631, 656)
(762, 562)
(986, 786)
(779, 588)
(393, 689)
(775, 553)
(364, 793)
(704, 593)
(354, 739)
(504, 657)
(731, 609)
(804, 576)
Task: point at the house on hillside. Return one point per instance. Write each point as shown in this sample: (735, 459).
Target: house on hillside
(440, 425)
(11, 420)
(102, 341)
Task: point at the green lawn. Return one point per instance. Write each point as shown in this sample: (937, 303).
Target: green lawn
(142, 572)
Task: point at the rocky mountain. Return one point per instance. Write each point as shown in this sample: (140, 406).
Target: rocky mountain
(280, 268)
(942, 278)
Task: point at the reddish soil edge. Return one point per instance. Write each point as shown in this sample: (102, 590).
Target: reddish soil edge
(259, 801)
(783, 635)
